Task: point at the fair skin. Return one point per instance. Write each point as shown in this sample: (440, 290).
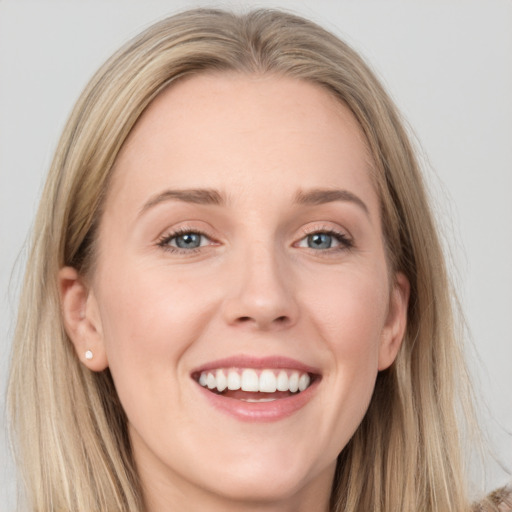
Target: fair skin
(241, 223)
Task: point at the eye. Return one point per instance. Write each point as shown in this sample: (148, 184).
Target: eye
(184, 240)
(325, 240)
(187, 240)
(320, 241)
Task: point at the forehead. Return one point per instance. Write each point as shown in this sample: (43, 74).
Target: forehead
(233, 130)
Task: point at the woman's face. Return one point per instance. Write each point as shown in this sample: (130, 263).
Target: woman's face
(241, 245)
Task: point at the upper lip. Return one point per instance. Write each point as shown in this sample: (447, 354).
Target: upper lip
(246, 361)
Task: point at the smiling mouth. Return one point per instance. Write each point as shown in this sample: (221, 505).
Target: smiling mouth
(255, 385)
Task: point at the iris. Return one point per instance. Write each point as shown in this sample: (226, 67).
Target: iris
(320, 241)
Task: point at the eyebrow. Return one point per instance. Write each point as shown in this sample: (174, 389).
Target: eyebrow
(191, 195)
(208, 196)
(321, 196)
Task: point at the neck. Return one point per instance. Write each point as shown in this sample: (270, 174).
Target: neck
(160, 496)
(159, 503)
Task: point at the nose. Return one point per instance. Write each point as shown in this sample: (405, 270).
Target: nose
(261, 292)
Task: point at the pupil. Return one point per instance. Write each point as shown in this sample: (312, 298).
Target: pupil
(190, 240)
(320, 241)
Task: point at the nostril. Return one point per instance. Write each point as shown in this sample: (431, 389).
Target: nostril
(283, 319)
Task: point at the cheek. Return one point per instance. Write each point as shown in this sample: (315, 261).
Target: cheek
(350, 310)
(149, 321)
(350, 314)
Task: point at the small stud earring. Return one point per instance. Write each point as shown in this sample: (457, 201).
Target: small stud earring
(88, 355)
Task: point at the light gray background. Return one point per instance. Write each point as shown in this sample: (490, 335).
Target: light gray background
(447, 64)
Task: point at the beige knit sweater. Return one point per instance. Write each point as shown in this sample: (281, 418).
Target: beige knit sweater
(498, 501)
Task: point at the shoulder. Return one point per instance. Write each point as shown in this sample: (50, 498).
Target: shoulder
(499, 500)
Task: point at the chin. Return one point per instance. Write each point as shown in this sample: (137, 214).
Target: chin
(256, 481)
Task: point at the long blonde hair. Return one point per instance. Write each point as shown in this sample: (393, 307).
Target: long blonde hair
(69, 428)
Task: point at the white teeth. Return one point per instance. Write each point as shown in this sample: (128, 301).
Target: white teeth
(250, 381)
(293, 382)
(222, 381)
(268, 381)
(304, 382)
(234, 381)
(282, 381)
(210, 381)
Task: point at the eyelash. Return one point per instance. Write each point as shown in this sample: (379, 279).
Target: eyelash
(164, 242)
(346, 243)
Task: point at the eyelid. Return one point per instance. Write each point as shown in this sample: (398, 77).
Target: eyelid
(346, 241)
(326, 227)
(171, 233)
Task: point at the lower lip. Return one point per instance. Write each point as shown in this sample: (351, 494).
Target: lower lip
(260, 411)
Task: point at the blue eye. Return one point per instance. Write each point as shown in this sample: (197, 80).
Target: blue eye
(187, 241)
(320, 241)
(183, 241)
(325, 241)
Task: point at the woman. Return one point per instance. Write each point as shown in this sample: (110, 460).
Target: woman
(236, 298)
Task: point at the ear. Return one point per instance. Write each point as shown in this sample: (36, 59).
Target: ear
(396, 322)
(82, 320)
